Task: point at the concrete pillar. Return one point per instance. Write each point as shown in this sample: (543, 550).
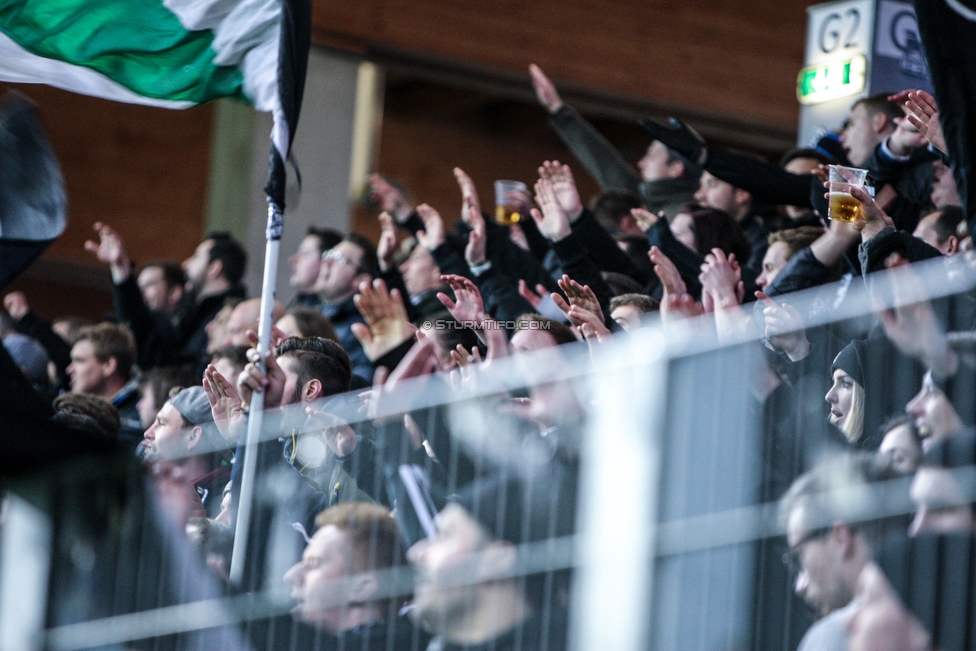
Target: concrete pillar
(334, 146)
(229, 191)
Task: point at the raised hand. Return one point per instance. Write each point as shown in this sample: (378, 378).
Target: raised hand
(533, 298)
(578, 295)
(721, 279)
(590, 328)
(225, 404)
(470, 205)
(875, 219)
(340, 438)
(252, 380)
(387, 325)
(905, 138)
(277, 336)
(681, 306)
(433, 234)
(678, 136)
(16, 305)
(474, 252)
(110, 250)
(465, 358)
(922, 111)
(545, 90)
(563, 187)
(387, 246)
(550, 218)
(667, 273)
(784, 328)
(468, 305)
(389, 198)
(872, 219)
(421, 360)
(645, 218)
(468, 365)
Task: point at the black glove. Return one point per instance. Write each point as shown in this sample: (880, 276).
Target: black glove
(679, 138)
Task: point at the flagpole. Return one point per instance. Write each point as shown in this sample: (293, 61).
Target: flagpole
(256, 410)
(293, 48)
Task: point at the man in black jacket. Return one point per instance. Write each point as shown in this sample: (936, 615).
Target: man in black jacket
(665, 180)
(306, 264)
(213, 273)
(743, 207)
(344, 268)
(101, 365)
(876, 137)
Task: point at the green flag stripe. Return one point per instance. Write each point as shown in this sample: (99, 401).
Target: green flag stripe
(137, 43)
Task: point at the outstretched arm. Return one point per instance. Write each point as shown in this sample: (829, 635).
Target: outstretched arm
(32, 325)
(594, 152)
(110, 250)
(389, 198)
(757, 177)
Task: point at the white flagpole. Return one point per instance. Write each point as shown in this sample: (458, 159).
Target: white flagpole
(256, 413)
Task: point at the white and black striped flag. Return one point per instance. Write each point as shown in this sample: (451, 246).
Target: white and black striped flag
(168, 53)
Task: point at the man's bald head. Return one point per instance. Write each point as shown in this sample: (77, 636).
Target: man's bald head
(245, 317)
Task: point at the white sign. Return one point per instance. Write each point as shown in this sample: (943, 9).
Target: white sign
(897, 29)
(897, 38)
(839, 30)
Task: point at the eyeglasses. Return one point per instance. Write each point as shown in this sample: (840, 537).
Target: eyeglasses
(791, 559)
(338, 258)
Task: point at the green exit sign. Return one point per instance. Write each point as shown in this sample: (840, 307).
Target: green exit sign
(826, 81)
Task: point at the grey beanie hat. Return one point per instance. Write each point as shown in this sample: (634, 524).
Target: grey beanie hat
(192, 403)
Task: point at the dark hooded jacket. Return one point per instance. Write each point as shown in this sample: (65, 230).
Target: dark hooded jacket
(887, 377)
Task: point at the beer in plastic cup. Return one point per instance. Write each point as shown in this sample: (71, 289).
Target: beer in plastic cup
(507, 210)
(843, 206)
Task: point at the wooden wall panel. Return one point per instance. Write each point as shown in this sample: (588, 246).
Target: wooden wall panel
(143, 170)
(50, 298)
(732, 60)
(428, 130)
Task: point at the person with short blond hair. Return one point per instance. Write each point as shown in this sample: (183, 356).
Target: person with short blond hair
(337, 585)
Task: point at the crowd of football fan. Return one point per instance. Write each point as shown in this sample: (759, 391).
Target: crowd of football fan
(694, 231)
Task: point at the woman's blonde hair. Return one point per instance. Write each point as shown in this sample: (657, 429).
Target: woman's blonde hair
(853, 428)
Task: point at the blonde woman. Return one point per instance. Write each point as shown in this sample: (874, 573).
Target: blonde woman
(846, 394)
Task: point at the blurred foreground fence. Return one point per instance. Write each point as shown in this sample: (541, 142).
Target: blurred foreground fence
(673, 446)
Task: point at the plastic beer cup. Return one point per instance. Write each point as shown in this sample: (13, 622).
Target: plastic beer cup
(843, 206)
(507, 210)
